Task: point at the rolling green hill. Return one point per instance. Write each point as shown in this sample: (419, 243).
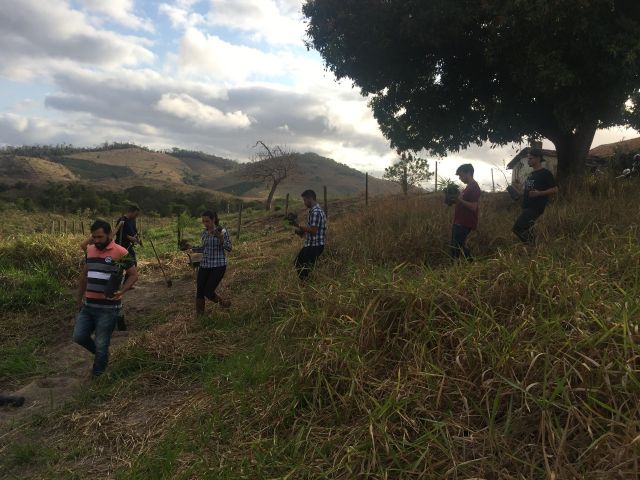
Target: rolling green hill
(127, 166)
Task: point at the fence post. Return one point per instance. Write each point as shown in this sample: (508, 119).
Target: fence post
(65, 227)
(436, 187)
(286, 205)
(366, 189)
(326, 207)
(239, 221)
(493, 183)
(59, 227)
(53, 227)
(82, 227)
(178, 229)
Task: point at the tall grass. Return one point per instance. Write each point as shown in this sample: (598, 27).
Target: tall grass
(393, 362)
(523, 364)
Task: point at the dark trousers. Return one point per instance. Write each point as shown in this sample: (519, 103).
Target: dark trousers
(459, 234)
(523, 228)
(306, 260)
(208, 281)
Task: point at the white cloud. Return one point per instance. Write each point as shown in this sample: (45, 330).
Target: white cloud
(120, 11)
(199, 114)
(180, 15)
(275, 22)
(38, 36)
(211, 56)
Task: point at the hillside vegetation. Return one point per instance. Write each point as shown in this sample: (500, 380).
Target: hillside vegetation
(122, 166)
(391, 363)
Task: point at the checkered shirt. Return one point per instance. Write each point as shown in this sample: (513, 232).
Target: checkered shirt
(318, 219)
(213, 249)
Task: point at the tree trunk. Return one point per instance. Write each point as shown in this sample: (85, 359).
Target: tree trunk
(405, 181)
(271, 194)
(573, 149)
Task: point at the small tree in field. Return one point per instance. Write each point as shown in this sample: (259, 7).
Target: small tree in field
(272, 166)
(409, 171)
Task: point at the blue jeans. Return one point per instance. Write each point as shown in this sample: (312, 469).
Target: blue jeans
(101, 321)
(459, 234)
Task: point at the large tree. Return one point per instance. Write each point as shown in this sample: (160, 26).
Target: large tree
(445, 74)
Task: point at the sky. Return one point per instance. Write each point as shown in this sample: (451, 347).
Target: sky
(210, 75)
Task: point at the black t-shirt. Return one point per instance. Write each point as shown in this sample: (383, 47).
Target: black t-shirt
(538, 180)
(128, 229)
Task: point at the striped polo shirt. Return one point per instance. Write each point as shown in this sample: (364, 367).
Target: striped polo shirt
(101, 264)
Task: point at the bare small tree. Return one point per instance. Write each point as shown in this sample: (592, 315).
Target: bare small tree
(272, 166)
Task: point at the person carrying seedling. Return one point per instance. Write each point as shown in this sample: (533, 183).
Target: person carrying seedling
(538, 187)
(100, 293)
(126, 232)
(314, 234)
(465, 218)
(215, 242)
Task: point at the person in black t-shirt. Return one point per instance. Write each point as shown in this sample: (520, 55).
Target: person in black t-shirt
(126, 233)
(538, 187)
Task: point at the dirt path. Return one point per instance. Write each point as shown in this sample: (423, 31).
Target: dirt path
(69, 365)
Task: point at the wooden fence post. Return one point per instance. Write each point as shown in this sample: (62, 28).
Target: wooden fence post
(436, 187)
(493, 183)
(82, 226)
(179, 230)
(286, 205)
(65, 227)
(53, 227)
(366, 189)
(239, 221)
(326, 207)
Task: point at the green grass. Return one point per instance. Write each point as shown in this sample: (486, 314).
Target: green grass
(21, 361)
(394, 362)
(88, 170)
(26, 289)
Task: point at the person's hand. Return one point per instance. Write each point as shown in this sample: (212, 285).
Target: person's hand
(299, 232)
(117, 295)
(534, 193)
(457, 199)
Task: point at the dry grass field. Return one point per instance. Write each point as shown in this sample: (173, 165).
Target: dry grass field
(390, 363)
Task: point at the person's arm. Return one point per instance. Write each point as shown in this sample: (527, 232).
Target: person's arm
(85, 243)
(226, 241)
(313, 226)
(82, 286)
(131, 278)
(309, 229)
(543, 193)
(473, 206)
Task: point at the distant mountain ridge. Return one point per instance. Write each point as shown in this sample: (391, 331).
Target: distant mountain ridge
(120, 166)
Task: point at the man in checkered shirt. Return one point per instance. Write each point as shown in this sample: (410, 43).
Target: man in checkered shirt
(314, 234)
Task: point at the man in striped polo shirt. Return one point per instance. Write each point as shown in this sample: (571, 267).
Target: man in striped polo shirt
(99, 307)
(314, 234)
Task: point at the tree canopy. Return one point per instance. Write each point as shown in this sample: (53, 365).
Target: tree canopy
(446, 74)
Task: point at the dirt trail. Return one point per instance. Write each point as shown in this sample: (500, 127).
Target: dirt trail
(69, 365)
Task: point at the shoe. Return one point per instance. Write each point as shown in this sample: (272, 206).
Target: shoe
(223, 302)
(199, 307)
